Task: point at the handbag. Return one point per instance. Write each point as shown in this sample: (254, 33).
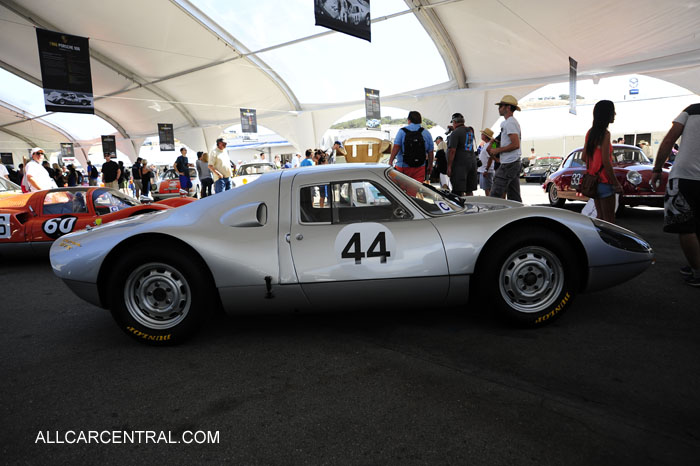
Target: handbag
(589, 183)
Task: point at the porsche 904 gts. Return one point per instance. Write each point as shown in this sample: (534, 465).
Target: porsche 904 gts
(273, 246)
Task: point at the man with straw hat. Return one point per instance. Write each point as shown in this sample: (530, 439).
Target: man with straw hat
(507, 178)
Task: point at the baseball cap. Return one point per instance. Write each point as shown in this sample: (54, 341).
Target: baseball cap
(457, 116)
(37, 149)
(338, 142)
(220, 140)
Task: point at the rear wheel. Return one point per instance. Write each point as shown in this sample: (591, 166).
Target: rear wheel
(553, 194)
(159, 298)
(531, 276)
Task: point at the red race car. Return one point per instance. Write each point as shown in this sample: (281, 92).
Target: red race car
(31, 222)
(632, 169)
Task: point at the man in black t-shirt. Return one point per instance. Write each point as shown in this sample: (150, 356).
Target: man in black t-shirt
(110, 172)
(461, 160)
(136, 175)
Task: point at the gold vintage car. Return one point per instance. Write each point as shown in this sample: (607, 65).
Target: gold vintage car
(365, 150)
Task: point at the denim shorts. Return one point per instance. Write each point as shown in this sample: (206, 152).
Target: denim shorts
(605, 190)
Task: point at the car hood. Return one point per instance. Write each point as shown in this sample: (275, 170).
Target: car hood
(479, 204)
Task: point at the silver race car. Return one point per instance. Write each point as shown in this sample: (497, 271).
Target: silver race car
(341, 237)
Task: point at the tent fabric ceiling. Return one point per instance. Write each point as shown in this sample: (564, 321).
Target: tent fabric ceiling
(166, 61)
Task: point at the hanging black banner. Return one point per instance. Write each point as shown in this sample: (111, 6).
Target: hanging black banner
(67, 149)
(166, 135)
(373, 113)
(65, 72)
(347, 16)
(109, 145)
(249, 120)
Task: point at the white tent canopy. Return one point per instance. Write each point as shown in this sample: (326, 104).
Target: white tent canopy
(165, 61)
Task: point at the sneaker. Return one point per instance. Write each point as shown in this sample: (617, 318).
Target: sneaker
(183, 192)
(693, 281)
(686, 271)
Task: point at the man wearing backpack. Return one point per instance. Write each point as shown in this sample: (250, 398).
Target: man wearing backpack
(413, 149)
(92, 173)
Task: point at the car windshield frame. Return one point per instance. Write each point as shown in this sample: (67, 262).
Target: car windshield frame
(126, 201)
(423, 196)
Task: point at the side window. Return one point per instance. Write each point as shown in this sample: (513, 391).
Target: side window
(64, 202)
(313, 204)
(348, 202)
(576, 161)
(363, 201)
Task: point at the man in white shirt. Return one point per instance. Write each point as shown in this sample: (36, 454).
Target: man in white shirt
(507, 178)
(220, 166)
(682, 197)
(3, 172)
(36, 175)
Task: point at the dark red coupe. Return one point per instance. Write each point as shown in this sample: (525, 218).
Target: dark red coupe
(632, 169)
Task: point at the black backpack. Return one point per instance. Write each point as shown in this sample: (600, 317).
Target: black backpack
(413, 148)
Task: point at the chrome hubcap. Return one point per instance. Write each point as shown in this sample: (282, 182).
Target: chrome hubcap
(553, 195)
(531, 279)
(157, 296)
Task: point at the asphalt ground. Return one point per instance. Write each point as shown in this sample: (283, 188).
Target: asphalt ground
(613, 381)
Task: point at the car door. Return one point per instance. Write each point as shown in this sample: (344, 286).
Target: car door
(60, 212)
(354, 244)
(574, 168)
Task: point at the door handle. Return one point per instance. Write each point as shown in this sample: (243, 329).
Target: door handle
(299, 237)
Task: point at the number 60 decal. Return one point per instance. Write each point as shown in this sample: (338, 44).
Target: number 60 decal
(364, 242)
(55, 227)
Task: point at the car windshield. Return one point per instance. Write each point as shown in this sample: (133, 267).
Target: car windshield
(423, 196)
(7, 185)
(255, 169)
(109, 200)
(545, 162)
(629, 155)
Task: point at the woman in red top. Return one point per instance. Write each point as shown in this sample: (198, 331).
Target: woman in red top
(597, 153)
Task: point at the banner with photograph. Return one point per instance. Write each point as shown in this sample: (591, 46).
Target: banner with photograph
(65, 72)
(373, 113)
(6, 158)
(347, 16)
(166, 135)
(109, 145)
(249, 120)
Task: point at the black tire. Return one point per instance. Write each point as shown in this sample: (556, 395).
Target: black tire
(620, 211)
(531, 276)
(552, 194)
(62, 102)
(159, 297)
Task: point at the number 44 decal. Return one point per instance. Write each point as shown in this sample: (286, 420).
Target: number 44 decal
(353, 250)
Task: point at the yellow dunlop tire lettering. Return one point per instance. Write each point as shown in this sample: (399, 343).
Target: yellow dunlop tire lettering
(146, 336)
(555, 311)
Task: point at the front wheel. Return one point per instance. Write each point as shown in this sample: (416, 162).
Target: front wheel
(158, 298)
(531, 277)
(553, 194)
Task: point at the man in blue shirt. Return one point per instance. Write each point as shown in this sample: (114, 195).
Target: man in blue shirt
(307, 162)
(412, 158)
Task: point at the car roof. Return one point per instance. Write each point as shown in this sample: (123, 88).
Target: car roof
(377, 168)
(615, 146)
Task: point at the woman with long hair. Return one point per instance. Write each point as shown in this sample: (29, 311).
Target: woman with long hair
(597, 153)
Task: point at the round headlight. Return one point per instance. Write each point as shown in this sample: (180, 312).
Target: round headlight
(634, 177)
